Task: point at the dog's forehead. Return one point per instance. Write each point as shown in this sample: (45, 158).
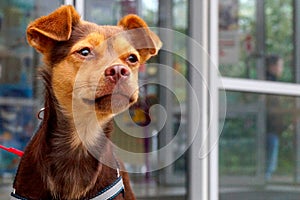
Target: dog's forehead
(105, 38)
(97, 35)
(88, 34)
(105, 30)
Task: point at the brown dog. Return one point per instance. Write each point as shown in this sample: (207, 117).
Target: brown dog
(90, 75)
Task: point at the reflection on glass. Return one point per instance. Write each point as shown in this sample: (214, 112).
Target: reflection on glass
(18, 63)
(280, 128)
(236, 36)
(109, 11)
(258, 139)
(249, 32)
(237, 152)
(280, 34)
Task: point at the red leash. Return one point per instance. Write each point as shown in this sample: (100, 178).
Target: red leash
(12, 150)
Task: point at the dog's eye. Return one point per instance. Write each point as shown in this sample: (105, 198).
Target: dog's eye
(132, 59)
(84, 52)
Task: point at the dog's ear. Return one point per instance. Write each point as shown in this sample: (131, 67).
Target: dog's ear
(57, 26)
(144, 40)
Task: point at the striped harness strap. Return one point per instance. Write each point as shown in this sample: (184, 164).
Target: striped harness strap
(108, 193)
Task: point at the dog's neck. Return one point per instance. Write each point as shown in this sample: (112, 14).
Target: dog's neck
(68, 167)
(79, 149)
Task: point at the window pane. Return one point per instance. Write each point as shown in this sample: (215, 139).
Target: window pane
(279, 35)
(237, 36)
(253, 31)
(19, 91)
(259, 139)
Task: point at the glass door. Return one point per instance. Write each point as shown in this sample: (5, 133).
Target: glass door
(259, 64)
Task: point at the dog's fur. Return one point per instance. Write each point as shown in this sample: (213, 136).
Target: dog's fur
(81, 97)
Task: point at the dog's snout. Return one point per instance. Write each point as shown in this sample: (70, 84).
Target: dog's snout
(117, 72)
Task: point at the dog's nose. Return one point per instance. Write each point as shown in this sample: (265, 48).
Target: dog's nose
(117, 72)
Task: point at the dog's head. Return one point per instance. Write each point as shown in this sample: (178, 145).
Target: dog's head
(96, 65)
